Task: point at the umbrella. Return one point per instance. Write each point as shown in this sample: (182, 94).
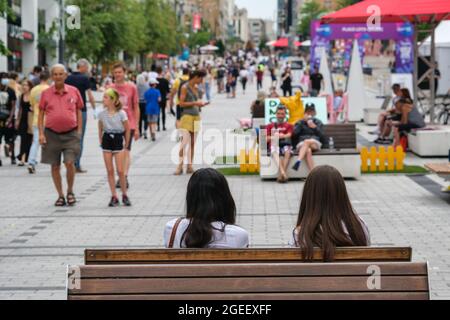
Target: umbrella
(306, 43)
(412, 11)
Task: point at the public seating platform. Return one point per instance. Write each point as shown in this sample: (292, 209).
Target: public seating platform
(345, 157)
(430, 142)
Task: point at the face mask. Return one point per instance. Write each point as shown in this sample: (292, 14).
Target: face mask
(5, 82)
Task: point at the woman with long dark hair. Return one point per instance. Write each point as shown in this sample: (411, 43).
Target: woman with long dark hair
(24, 125)
(210, 220)
(327, 219)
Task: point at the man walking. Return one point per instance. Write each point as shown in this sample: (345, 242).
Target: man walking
(129, 97)
(60, 126)
(316, 82)
(80, 80)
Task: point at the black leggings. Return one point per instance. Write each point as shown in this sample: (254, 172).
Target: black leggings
(287, 91)
(26, 140)
(162, 114)
(143, 119)
(244, 83)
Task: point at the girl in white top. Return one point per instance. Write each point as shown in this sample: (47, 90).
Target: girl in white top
(211, 216)
(326, 218)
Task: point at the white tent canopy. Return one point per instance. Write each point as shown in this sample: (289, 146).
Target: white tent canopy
(442, 35)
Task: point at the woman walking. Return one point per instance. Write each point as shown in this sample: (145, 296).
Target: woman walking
(114, 133)
(142, 86)
(286, 85)
(190, 104)
(24, 123)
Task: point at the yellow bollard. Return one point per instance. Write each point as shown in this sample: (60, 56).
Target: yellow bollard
(373, 159)
(382, 159)
(243, 161)
(399, 158)
(391, 158)
(252, 161)
(364, 159)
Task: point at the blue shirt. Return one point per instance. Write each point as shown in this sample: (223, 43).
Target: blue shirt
(151, 97)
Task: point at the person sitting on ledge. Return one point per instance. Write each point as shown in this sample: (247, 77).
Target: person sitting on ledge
(326, 218)
(210, 221)
(410, 119)
(308, 136)
(279, 142)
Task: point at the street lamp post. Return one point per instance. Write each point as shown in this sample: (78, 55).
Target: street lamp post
(61, 31)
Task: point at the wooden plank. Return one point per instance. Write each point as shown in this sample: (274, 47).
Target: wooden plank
(250, 285)
(251, 269)
(264, 296)
(241, 255)
(438, 167)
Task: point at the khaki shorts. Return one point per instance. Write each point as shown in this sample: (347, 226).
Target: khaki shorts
(190, 123)
(67, 144)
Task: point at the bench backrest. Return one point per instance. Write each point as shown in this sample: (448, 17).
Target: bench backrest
(253, 255)
(344, 135)
(395, 280)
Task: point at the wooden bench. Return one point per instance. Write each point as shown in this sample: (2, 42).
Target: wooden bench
(442, 170)
(272, 281)
(253, 255)
(345, 156)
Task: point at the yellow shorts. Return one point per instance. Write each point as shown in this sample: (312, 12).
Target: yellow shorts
(190, 123)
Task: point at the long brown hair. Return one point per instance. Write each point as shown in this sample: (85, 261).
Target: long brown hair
(324, 210)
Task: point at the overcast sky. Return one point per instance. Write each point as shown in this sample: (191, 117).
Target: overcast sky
(259, 8)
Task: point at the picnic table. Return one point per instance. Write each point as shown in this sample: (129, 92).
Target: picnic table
(442, 170)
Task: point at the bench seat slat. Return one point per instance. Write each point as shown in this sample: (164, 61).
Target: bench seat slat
(260, 270)
(251, 285)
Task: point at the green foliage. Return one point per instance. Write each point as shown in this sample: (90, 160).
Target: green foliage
(5, 10)
(344, 3)
(46, 39)
(200, 38)
(310, 11)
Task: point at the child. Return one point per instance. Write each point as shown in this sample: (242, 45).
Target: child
(113, 131)
(152, 97)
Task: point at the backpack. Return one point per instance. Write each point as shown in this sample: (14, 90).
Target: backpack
(5, 110)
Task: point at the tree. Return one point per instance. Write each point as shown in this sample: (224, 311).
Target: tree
(5, 11)
(202, 37)
(107, 27)
(344, 3)
(310, 11)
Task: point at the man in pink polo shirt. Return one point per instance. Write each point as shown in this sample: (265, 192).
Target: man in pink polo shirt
(129, 97)
(60, 125)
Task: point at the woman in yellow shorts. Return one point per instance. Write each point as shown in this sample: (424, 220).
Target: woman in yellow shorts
(190, 103)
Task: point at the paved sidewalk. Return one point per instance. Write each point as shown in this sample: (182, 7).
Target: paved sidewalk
(38, 241)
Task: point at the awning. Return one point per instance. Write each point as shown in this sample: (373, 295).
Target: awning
(392, 11)
(284, 43)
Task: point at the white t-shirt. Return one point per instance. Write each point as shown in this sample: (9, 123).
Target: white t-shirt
(293, 241)
(233, 237)
(243, 73)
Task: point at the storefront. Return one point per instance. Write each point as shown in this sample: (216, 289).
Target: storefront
(16, 37)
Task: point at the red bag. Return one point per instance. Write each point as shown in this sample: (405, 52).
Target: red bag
(404, 142)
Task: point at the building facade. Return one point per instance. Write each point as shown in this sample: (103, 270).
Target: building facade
(241, 24)
(20, 34)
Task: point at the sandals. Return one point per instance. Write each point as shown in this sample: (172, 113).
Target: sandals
(71, 200)
(190, 170)
(61, 202)
(179, 170)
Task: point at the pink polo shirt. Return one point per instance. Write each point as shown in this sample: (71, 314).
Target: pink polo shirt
(60, 109)
(129, 97)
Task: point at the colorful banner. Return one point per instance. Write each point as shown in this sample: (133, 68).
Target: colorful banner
(196, 22)
(401, 33)
(320, 103)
